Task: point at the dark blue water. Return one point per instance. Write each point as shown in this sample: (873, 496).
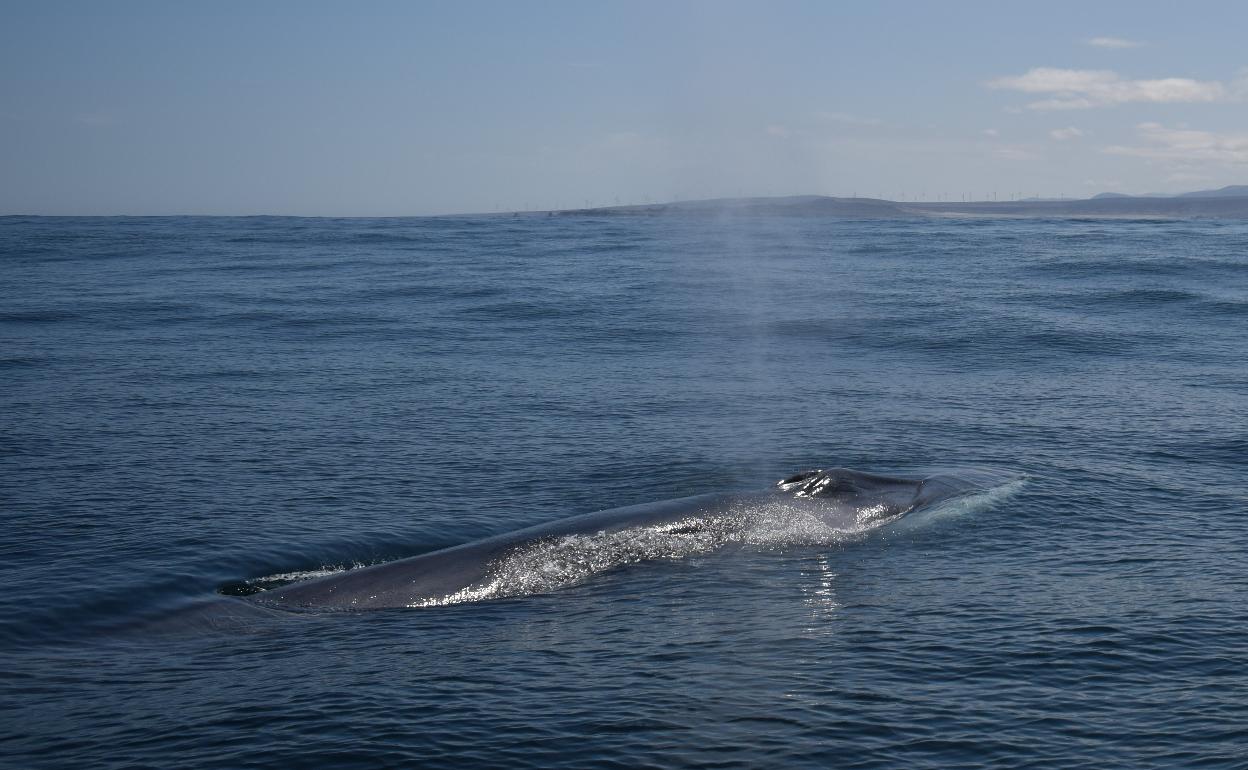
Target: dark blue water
(188, 403)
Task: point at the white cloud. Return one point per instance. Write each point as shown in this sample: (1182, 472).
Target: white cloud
(1185, 144)
(1062, 134)
(1112, 42)
(778, 131)
(1081, 89)
(991, 132)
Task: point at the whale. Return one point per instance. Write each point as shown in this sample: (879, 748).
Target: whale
(812, 506)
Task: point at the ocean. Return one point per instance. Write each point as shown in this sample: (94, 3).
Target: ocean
(195, 406)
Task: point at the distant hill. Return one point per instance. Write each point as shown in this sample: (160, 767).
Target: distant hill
(1218, 204)
(1230, 191)
(793, 205)
(1100, 207)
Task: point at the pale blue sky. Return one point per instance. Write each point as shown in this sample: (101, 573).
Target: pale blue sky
(440, 107)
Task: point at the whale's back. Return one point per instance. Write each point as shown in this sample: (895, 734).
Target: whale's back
(812, 507)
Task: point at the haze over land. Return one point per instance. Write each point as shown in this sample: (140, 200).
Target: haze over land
(427, 108)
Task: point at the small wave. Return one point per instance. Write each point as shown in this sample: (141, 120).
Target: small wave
(377, 238)
(521, 310)
(1072, 341)
(1082, 269)
(1142, 297)
(37, 316)
(871, 248)
(1229, 308)
(935, 337)
(1230, 450)
(22, 362)
(850, 329)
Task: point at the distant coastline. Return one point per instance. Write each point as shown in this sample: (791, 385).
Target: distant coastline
(1228, 203)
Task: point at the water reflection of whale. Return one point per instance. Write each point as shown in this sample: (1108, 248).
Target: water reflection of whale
(812, 507)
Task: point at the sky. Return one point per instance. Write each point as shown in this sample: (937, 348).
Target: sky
(417, 108)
